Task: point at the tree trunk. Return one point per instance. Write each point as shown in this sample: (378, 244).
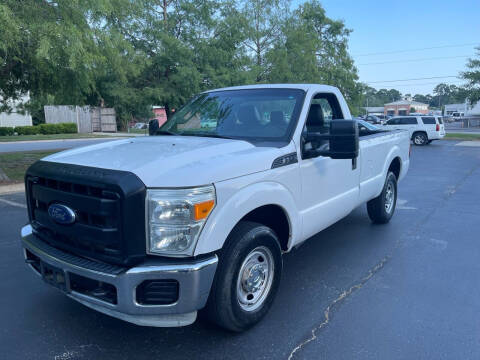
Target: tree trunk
(167, 111)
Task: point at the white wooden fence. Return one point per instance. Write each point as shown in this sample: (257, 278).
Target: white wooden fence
(88, 119)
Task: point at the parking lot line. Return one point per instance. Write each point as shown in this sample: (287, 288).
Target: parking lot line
(13, 203)
(469, 143)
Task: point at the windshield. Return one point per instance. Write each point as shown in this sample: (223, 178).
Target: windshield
(253, 114)
(368, 125)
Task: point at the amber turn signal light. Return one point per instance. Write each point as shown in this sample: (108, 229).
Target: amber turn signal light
(201, 210)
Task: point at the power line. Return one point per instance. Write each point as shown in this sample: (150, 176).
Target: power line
(418, 49)
(424, 78)
(415, 60)
(429, 83)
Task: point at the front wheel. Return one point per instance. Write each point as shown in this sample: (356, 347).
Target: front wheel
(381, 209)
(247, 277)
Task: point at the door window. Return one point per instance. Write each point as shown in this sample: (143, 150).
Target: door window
(323, 109)
(408, 121)
(393, 121)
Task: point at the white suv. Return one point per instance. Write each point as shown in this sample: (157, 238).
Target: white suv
(422, 129)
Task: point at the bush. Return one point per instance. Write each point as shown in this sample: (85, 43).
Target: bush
(44, 129)
(68, 128)
(47, 129)
(6, 131)
(26, 130)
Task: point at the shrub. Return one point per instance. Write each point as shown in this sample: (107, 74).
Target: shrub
(26, 130)
(68, 128)
(6, 131)
(44, 129)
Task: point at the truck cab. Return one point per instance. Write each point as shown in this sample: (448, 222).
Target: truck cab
(198, 215)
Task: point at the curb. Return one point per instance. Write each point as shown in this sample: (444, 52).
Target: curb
(10, 189)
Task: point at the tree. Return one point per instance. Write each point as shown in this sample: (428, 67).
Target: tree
(422, 98)
(314, 48)
(58, 50)
(262, 24)
(472, 75)
(131, 55)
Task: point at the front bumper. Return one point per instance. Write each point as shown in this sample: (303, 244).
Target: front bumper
(194, 278)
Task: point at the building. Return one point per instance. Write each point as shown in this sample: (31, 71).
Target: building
(473, 110)
(15, 118)
(451, 109)
(374, 110)
(403, 107)
(160, 114)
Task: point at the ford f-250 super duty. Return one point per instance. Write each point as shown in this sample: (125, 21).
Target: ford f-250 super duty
(150, 230)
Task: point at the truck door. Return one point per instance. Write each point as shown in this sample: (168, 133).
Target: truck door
(330, 188)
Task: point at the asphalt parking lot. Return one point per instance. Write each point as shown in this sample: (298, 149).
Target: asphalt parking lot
(404, 290)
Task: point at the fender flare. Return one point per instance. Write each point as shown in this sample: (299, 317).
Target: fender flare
(392, 154)
(228, 212)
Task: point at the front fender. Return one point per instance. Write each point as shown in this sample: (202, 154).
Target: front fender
(233, 203)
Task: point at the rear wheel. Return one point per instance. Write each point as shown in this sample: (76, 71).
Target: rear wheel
(247, 277)
(420, 138)
(381, 209)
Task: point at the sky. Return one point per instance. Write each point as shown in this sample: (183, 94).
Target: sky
(402, 31)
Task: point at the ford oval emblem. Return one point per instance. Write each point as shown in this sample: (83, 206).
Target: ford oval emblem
(61, 214)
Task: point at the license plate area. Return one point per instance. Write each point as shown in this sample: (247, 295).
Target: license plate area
(53, 276)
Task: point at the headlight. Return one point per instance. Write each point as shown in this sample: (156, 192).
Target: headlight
(176, 217)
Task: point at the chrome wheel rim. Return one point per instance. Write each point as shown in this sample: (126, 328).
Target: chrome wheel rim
(255, 278)
(389, 197)
(419, 140)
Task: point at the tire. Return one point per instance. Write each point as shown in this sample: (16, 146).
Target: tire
(420, 138)
(381, 209)
(228, 304)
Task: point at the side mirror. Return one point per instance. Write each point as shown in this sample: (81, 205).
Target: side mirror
(343, 141)
(153, 127)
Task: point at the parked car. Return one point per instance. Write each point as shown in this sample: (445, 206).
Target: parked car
(458, 116)
(422, 129)
(448, 118)
(140, 125)
(365, 126)
(373, 119)
(152, 229)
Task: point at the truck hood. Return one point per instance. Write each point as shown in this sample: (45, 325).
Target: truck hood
(175, 161)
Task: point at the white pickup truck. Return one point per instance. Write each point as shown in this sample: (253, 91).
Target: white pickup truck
(152, 229)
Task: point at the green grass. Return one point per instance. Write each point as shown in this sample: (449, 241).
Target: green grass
(462, 136)
(14, 165)
(48, 137)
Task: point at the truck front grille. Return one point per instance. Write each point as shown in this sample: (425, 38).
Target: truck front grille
(103, 211)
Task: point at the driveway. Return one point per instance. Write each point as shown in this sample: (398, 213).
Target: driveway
(405, 290)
